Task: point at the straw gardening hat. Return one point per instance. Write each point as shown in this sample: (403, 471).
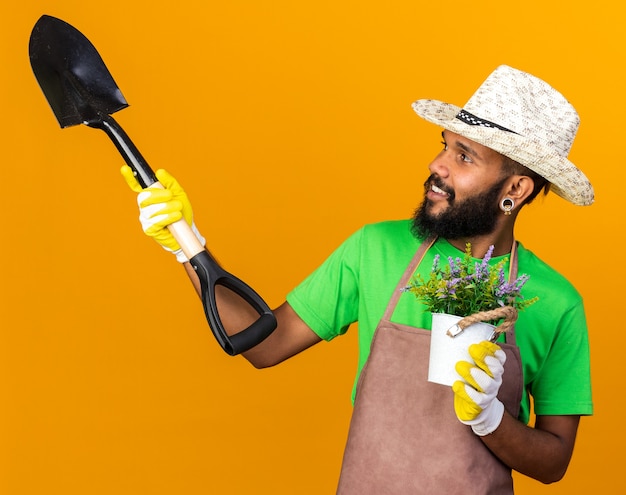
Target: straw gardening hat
(524, 118)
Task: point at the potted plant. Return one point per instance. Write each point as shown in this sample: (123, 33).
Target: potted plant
(464, 294)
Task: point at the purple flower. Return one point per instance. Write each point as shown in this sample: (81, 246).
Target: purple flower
(436, 263)
(482, 269)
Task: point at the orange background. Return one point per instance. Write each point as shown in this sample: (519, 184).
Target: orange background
(289, 124)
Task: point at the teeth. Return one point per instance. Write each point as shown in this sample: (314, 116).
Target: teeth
(437, 190)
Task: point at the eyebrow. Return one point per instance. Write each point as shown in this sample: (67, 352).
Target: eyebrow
(469, 150)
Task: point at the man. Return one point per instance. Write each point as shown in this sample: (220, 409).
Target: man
(507, 144)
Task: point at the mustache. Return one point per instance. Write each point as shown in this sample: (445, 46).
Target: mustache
(435, 180)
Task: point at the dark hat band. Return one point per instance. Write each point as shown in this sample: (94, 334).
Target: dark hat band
(470, 119)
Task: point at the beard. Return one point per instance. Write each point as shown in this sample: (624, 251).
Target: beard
(475, 216)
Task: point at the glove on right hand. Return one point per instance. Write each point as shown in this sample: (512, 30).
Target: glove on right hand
(475, 395)
(159, 208)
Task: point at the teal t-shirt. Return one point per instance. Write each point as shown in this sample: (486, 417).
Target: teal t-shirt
(356, 282)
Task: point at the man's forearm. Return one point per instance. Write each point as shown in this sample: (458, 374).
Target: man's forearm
(290, 337)
(542, 452)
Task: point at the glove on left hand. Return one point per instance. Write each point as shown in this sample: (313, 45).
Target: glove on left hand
(159, 208)
(475, 401)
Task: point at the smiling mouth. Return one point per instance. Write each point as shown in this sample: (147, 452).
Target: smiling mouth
(438, 190)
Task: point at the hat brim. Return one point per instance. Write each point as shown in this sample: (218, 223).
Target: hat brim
(567, 180)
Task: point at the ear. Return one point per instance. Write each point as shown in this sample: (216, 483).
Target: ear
(518, 188)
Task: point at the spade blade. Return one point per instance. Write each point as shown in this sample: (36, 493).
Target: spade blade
(71, 73)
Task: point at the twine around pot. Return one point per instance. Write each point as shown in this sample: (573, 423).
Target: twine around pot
(509, 314)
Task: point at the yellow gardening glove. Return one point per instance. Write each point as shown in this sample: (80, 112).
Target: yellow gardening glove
(159, 208)
(475, 395)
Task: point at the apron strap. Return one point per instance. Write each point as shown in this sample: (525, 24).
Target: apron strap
(417, 259)
(509, 335)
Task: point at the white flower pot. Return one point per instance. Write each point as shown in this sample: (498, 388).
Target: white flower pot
(446, 351)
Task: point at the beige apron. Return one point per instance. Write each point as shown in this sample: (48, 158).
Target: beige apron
(404, 435)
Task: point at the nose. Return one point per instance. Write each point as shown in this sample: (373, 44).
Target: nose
(439, 165)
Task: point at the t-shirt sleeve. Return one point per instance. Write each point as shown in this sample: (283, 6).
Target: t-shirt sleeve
(563, 384)
(327, 300)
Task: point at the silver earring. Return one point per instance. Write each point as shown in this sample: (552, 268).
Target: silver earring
(507, 205)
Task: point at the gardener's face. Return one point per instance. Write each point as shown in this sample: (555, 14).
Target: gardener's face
(463, 191)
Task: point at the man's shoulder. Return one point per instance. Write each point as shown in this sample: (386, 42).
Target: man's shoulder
(389, 229)
(543, 274)
(390, 238)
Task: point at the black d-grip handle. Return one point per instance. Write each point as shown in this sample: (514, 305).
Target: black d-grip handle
(210, 275)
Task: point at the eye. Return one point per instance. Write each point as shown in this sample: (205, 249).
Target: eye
(445, 145)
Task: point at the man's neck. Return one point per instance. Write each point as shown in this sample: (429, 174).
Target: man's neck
(502, 243)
